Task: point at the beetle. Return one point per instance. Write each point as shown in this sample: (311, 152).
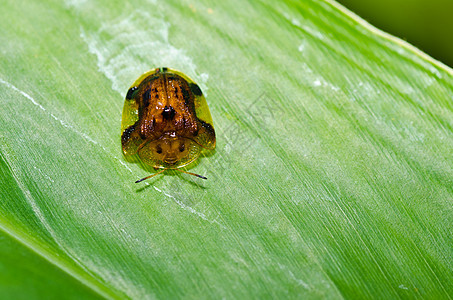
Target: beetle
(166, 121)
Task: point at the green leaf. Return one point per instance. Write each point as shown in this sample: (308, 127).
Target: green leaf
(332, 176)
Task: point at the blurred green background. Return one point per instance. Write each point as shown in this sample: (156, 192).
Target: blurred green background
(428, 25)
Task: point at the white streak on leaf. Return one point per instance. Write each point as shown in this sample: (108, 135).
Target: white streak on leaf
(294, 278)
(189, 209)
(131, 45)
(62, 122)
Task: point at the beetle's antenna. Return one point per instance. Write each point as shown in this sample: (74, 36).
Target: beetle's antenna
(152, 175)
(190, 173)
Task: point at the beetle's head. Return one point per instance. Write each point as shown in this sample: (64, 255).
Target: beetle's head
(170, 151)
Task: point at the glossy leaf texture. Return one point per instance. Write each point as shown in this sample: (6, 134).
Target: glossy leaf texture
(332, 175)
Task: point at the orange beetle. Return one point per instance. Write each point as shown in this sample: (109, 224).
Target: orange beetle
(166, 121)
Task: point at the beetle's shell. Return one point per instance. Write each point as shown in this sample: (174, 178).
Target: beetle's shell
(166, 119)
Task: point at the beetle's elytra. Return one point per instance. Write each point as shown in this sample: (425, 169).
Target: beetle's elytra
(166, 120)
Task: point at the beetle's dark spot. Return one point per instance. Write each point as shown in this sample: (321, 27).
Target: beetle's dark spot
(158, 149)
(127, 134)
(171, 76)
(182, 147)
(208, 127)
(185, 95)
(195, 89)
(130, 92)
(164, 69)
(168, 113)
(145, 98)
